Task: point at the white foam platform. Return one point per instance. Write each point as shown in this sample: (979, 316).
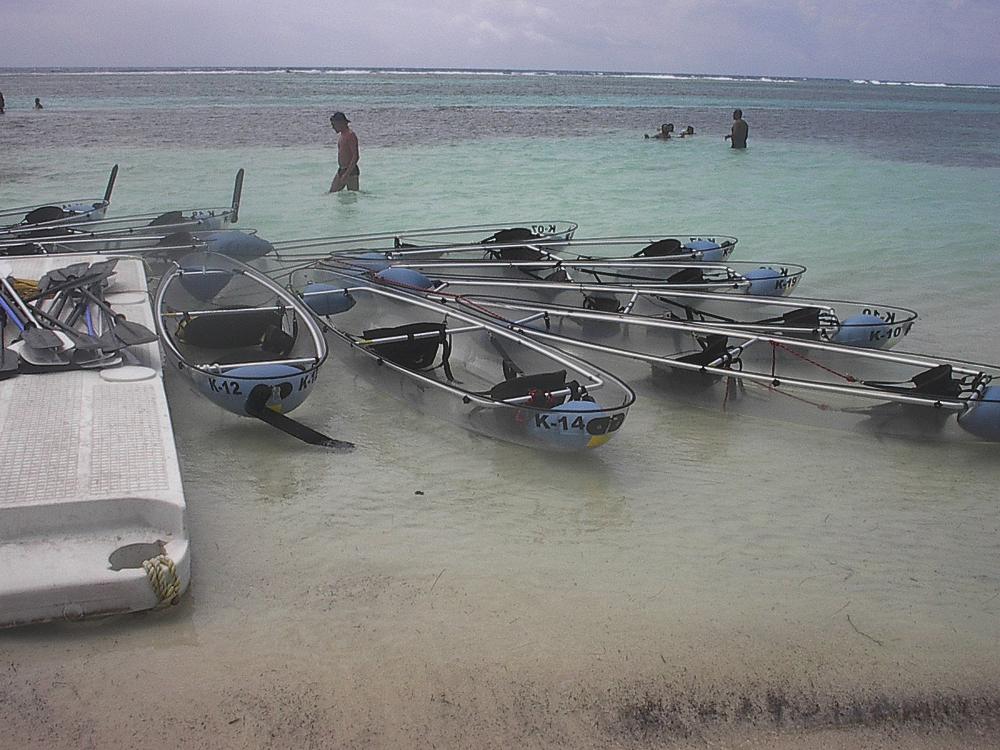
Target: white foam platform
(87, 465)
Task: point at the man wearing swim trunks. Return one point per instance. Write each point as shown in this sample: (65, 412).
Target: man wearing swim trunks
(740, 130)
(347, 154)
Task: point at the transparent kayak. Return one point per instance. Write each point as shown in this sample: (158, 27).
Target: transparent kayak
(828, 384)
(446, 361)
(244, 342)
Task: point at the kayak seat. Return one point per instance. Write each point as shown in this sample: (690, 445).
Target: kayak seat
(514, 234)
(228, 329)
(170, 217)
(601, 304)
(44, 214)
(937, 381)
(802, 317)
(527, 385)
(661, 248)
(413, 353)
(713, 347)
(687, 276)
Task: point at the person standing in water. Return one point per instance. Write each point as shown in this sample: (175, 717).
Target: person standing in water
(347, 154)
(38, 103)
(738, 135)
(2, 103)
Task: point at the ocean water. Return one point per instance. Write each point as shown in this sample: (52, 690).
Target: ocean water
(702, 578)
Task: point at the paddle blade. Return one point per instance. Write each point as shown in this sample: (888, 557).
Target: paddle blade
(109, 343)
(111, 184)
(132, 334)
(41, 338)
(255, 407)
(10, 363)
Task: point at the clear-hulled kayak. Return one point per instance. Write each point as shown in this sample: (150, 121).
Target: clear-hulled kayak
(243, 341)
(451, 364)
(428, 242)
(829, 384)
(123, 233)
(511, 244)
(865, 324)
(59, 212)
(733, 277)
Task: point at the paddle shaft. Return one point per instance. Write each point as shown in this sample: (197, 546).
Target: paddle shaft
(256, 406)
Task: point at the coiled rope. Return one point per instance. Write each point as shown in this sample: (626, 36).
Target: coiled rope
(162, 575)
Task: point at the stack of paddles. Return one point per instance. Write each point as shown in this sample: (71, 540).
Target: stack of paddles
(63, 322)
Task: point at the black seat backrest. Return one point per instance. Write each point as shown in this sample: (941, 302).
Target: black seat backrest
(602, 304)
(514, 234)
(228, 329)
(523, 385)
(937, 381)
(802, 317)
(690, 275)
(413, 353)
(44, 214)
(170, 217)
(713, 347)
(661, 248)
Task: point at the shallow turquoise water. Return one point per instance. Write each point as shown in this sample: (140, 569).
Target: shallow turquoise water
(728, 550)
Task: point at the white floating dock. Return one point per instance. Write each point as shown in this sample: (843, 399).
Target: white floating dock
(88, 466)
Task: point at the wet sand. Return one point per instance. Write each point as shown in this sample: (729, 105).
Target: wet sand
(435, 589)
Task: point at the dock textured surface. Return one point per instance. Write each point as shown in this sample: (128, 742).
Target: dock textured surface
(89, 466)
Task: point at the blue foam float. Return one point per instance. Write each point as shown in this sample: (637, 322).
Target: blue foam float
(327, 299)
(404, 277)
(983, 417)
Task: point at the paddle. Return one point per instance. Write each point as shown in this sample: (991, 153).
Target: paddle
(234, 212)
(87, 279)
(31, 332)
(80, 339)
(111, 185)
(9, 360)
(62, 275)
(126, 331)
(256, 406)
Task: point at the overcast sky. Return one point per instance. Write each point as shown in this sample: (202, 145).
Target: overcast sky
(919, 40)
